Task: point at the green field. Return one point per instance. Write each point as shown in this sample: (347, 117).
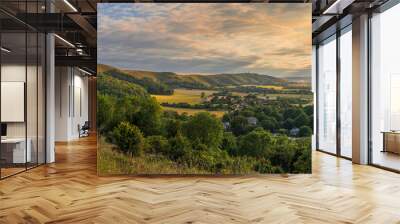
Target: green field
(191, 96)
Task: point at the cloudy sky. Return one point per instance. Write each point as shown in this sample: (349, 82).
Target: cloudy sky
(271, 39)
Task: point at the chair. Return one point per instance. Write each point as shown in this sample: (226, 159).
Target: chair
(84, 130)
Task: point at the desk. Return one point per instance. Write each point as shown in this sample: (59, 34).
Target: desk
(13, 150)
(391, 141)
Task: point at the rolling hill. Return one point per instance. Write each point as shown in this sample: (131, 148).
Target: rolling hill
(195, 81)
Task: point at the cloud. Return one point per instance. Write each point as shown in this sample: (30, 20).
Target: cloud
(272, 39)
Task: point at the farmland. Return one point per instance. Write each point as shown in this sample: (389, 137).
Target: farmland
(275, 87)
(190, 111)
(191, 96)
(213, 129)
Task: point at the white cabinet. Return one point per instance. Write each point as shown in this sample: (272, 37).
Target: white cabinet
(19, 155)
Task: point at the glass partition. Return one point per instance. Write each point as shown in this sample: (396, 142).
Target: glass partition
(385, 89)
(22, 88)
(327, 95)
(13, 94)
(346, 92)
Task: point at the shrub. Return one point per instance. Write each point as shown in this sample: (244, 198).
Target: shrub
(179, 145)
(305, 131)
(239, 125)
(229, 143)
(205, 129)
(128, 138)
(156, 144)
(255, 143)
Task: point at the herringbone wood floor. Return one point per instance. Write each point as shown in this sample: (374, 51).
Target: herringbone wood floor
(69, 191)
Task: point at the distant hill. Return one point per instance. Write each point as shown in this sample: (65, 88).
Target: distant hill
(197, 81)
(234, 79)
(152, 86)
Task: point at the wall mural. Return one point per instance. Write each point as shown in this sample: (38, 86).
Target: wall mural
(204, 88)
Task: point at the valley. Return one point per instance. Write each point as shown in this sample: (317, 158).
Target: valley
(224, 123)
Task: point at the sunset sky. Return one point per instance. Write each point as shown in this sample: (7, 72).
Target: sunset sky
(272, 39)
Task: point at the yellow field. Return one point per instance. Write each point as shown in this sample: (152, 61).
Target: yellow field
(270, 87)
(194, 111)
(267, 87)
(191, 96)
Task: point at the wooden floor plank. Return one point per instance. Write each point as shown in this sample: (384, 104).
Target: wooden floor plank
(69, 191)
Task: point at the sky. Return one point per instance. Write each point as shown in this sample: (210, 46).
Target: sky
(265, 38)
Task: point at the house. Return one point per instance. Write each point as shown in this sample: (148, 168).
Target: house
(294, 131)
(252, 121)
(226, 125)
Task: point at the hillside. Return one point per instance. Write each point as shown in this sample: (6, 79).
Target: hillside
(198, 81)
(119, 88)
(235, 79)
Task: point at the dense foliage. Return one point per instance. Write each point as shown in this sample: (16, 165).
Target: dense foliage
(133, 121)
(152, 87)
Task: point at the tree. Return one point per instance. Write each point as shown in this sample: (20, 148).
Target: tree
(239, 125)
(302, 162)
(256, 143)
(309, 110)
(179, 146)
(281, 154)
(172, 127)
(157, 144)
(288, 124)
(229, 143)
(204, 129)
(301, 119)
(269, 124)
(305, 131)
(105, 110)
(203, 95)
(128, 138)
(148, 117)
(291, 113)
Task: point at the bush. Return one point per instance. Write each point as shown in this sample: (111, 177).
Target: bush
(305, 131)
(128, 138)
(214, 161)
(255, 143)
(269, 124)
(229, 143)
(172, 127)
(205, 129)
(239, 125)
(156, 144)
(179, 145)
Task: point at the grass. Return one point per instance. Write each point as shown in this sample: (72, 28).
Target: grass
(194, 111)
(112, 162)
(191, 96)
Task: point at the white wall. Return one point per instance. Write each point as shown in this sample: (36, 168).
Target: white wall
(33, 126)
(71, 103)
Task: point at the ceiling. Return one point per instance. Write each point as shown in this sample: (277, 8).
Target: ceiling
(75, 22)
